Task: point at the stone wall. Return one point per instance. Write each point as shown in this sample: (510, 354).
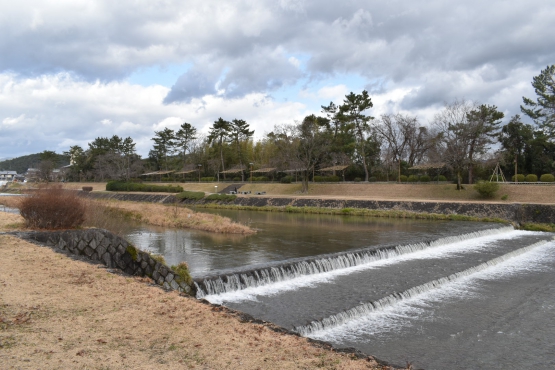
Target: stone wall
(102, 246)
(515, 212)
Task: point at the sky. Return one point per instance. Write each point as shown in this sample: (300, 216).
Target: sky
(74, 70)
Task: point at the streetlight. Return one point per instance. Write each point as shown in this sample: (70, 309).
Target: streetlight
(251, 171)
(199, 166)
(216, 189)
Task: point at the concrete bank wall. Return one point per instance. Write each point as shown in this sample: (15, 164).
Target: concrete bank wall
(114, 252)
(514, 212)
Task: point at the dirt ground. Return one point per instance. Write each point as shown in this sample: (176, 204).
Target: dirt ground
(60, 313)
(539, 194)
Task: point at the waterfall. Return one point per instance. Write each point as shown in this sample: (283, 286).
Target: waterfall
(269, 275)
(366, 308)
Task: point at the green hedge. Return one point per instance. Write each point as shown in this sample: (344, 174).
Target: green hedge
(208, 179)
(441, 178)
(520, 177)
(133, 186)
(327, 179)
(196, 195)
(531, 178)
(412, 178)
(259, 178)
(424, 178)
(222, 197)
(547, 177)
(403, 178)
(286, 180)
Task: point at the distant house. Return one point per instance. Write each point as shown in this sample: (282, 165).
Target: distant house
(8, 176)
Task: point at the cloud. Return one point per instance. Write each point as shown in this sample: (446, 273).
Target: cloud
(65, 63)
(67, 111)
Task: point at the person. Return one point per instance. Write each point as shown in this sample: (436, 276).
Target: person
(235, 190)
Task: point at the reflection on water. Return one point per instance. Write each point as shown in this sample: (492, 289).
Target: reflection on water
(283, 236)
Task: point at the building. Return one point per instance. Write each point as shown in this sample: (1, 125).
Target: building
(8, 176)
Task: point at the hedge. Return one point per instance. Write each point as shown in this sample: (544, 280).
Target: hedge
(531, 178)
(547, 177)
(133, 186)
(520, 177)
(196, 195)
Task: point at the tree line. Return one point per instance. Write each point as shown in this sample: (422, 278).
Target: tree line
(465, 140)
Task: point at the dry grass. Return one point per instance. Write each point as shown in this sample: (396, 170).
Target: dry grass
(540, 194)
(59, 313)
(174, 216)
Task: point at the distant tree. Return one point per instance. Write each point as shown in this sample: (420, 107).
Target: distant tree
(184, 138)
(238, 133)
(515, 138)
(542, 111)
(164, 146)
(218, 135)
(312, 146)
(451, 125)
(481, 129)
(352, 112)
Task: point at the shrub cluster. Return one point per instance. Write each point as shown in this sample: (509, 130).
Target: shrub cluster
(286, 180)
(196, 195)
(531, 178)
(520, 177)
(441, 178)
(486, 189)
(222, 197)
(547, 177)
(327, 179)
(412, 178)
(358, 179)
(403, 178)
(133, 186)
(208, 179)
(424, 178)
(53, 208)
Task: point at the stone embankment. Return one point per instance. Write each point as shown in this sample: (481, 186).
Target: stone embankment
(514, 212)
(114, 252)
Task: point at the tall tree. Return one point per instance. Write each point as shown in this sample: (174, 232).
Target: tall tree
(451, 125)
(542, 111)
(515, 138)
(238, 133)
(481, 128)
(312, 146)
(218, 135)
(184, 138)
(164, 145)
(352, 111)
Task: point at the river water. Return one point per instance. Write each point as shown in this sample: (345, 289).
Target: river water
(436, 294)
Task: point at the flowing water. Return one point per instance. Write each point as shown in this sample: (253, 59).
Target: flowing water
(438, 294)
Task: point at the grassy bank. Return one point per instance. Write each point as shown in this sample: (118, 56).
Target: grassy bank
(112, 215)
(356, 212)
(173, 216)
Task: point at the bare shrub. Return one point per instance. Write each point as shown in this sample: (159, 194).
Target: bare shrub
(52, 207)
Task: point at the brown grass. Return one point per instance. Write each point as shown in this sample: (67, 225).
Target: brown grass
(174, 216)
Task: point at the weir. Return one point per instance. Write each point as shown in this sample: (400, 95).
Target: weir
(369, 307)
(268, 275)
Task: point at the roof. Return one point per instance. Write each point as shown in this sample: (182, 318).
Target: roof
(157, 173)
(8, 172)
(264, 170)
(333, 168)
(234, 169)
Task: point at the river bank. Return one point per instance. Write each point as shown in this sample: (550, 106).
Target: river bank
(58, 312)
